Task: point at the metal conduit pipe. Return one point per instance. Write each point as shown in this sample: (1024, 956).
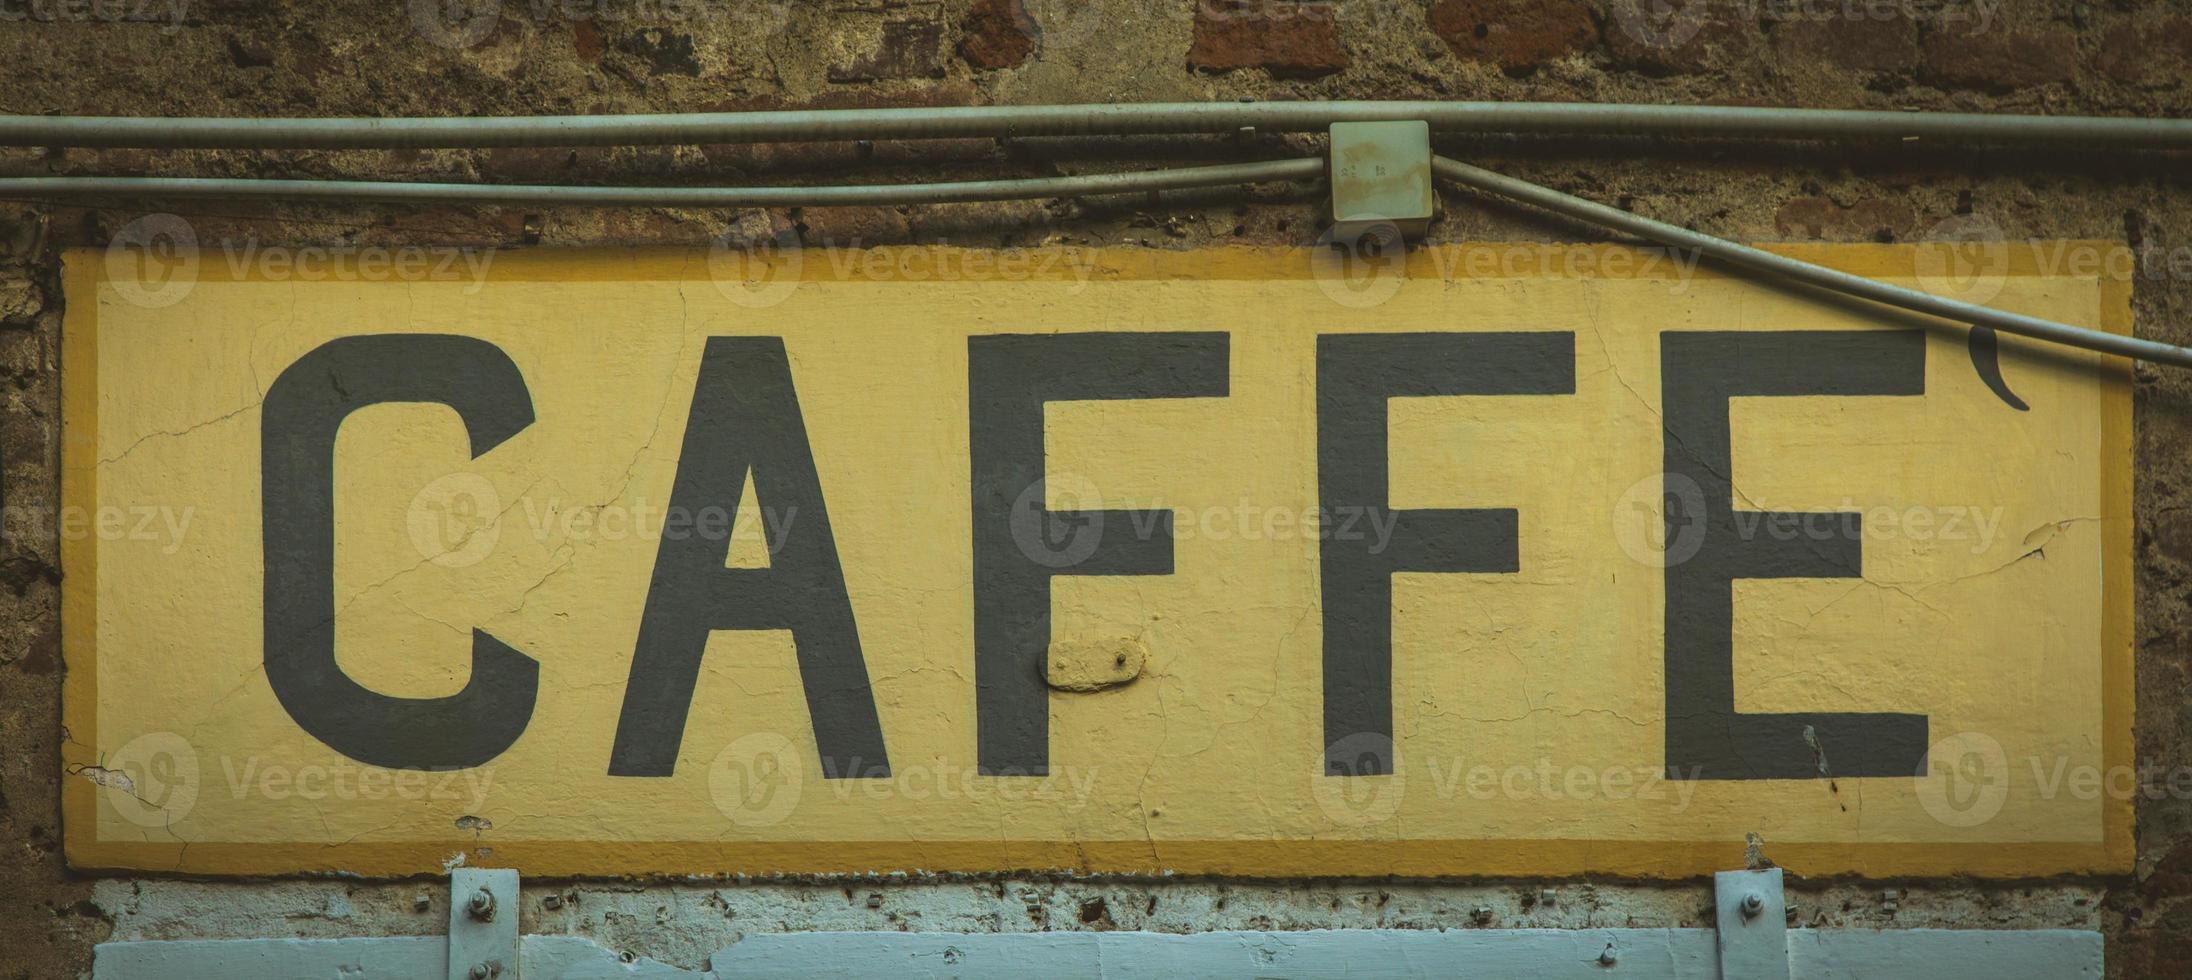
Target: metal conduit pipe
(1758, 260)
(1541, 118)
(1311, 168)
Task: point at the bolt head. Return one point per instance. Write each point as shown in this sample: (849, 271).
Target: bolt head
(481, 906)
(1608, 958)
(1753, 904)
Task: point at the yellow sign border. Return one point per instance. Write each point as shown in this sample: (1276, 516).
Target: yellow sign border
(85, 270)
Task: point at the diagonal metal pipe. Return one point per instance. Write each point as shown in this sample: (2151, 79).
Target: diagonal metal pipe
(1759, 260)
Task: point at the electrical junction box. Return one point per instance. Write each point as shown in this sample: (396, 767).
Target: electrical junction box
(1381, 175)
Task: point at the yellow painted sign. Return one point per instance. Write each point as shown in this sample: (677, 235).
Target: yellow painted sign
(1513, 560)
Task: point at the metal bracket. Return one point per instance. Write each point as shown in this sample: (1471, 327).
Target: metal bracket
(483, 924)
(1752, 920)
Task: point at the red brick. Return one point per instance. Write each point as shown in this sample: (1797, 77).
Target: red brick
(1694, 37)
(1859, 43)
(1516, 35)
(1871, 219)
(2148, 56)
(999, 34)
(2001, 60)
(586, 40)
(1284, 37)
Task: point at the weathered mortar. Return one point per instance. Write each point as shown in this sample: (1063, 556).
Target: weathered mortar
(228, 57)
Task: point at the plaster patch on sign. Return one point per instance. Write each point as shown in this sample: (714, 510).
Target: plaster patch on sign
(109, 778)
(1092, 665)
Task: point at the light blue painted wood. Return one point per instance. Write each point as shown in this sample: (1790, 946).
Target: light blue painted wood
(370, 958)
(1555, 954)
(1944, 954)
(1524, 954)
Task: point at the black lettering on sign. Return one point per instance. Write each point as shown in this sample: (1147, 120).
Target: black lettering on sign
(745, 416)
(1019, 543)
(1356, 375)
(302, 414)
(1700, 371)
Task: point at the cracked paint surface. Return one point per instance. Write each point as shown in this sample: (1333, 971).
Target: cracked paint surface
(1517, 697)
